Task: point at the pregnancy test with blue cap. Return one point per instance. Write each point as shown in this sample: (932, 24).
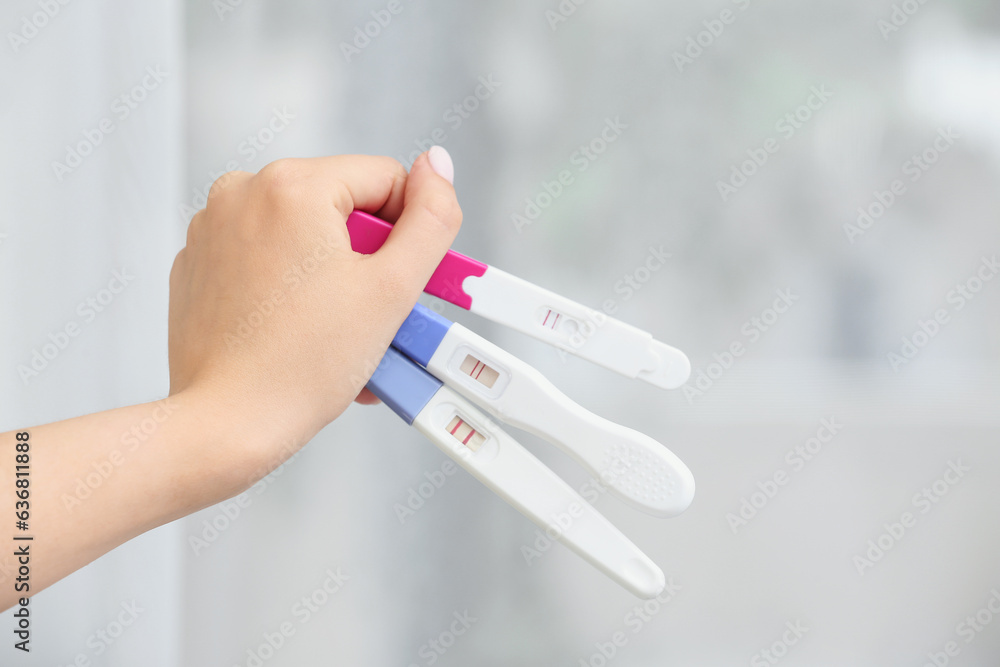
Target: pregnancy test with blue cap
(547, 316)
(477, 444)
(634, 467)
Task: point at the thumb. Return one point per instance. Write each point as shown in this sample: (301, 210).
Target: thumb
(430, 219)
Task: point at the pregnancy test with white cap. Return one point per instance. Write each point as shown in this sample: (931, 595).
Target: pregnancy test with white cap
(549, 317)
(635, 468)
(480, 446)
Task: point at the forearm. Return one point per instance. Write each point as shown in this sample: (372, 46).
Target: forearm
(99, 480)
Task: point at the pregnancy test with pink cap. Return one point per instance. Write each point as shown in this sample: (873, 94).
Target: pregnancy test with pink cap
(537, 312)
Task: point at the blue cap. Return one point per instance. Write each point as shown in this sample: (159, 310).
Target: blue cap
(402, 385)
(421, 334)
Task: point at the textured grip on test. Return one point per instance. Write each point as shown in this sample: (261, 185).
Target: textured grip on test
(368, 233)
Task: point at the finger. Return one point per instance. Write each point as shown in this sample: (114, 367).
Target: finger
(429, 221)
(372, 183)
(229, 182)
(230, 179)
(366, 397)
(195, 224)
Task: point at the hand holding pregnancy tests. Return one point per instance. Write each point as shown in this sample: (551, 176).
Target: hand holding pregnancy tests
(477, 444)
(636, 468)
(556, 320)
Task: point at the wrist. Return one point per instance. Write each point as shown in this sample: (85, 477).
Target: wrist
(229, 444)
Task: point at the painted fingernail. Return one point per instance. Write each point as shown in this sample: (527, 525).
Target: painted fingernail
(441, 163)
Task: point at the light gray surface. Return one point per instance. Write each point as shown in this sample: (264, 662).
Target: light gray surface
(333, 506)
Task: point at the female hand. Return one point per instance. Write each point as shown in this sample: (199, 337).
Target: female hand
(275, 326)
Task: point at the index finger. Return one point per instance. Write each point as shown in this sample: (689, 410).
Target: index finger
(373, 183)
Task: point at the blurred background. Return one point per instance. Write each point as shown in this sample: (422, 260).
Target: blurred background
(839, 161)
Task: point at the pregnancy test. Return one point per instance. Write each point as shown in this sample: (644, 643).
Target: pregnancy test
(635, 468)
(537, 312)
(477, 444)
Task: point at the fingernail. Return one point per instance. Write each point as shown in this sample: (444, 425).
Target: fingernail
(441, 163)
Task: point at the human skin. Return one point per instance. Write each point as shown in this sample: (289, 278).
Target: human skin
(275, 325)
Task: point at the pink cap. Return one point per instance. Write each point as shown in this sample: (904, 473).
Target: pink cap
(368, 233)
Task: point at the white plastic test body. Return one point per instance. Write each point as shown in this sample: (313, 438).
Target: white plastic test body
(537, 312)
(576, 329)
(635, 468)
(514, 474)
